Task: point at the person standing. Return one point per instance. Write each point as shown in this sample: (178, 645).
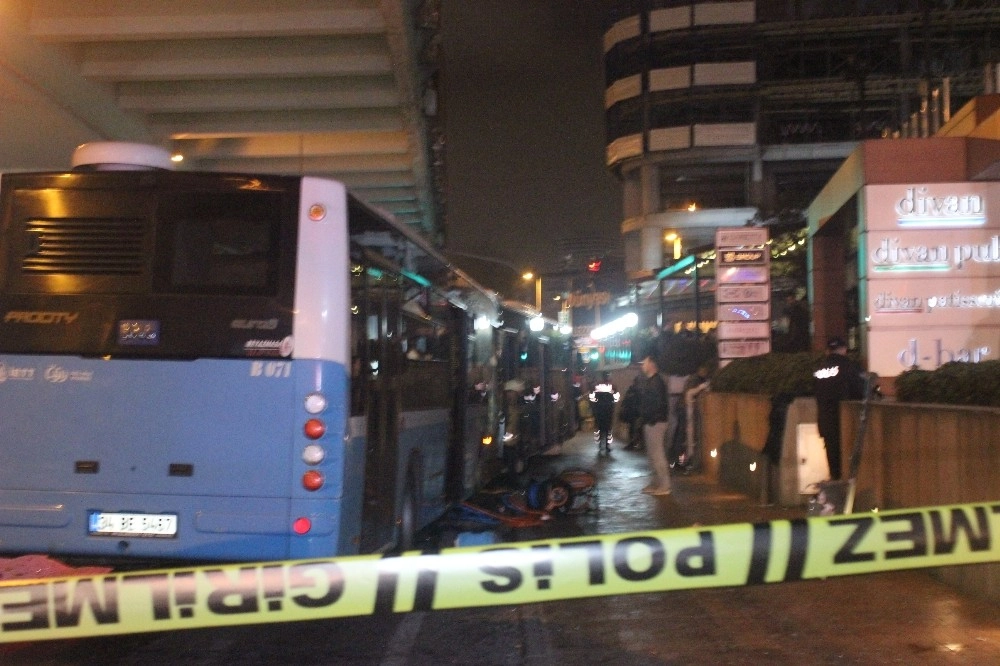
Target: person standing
(630, 416)
(837, 378)
(603, 399)
(654, 413)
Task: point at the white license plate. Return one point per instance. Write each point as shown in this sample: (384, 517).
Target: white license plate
(103, 523)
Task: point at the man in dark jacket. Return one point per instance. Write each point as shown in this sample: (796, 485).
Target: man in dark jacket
(837, 378)
(654, 411)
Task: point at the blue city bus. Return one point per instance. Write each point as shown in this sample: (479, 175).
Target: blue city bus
(226, 367)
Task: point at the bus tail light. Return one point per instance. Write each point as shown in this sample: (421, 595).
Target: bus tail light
(312, 480)
(301, 525)
(314, 428)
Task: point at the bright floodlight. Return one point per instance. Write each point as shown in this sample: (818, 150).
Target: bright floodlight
(616, 326)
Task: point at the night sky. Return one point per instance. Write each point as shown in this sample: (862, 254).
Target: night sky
(522, 98)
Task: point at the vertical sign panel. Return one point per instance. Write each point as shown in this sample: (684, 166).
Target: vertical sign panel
(743, 291)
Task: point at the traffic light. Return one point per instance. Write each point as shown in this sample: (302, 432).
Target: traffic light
(594, 265)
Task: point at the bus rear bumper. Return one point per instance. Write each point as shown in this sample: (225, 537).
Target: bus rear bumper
(212, 528)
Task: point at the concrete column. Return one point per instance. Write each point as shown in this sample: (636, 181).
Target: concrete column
(651, 248)
(632, 195)
(829, 298)
(650, 175)
(650, 242)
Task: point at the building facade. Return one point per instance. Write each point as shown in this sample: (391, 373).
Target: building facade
(905, 246)
(722, 114)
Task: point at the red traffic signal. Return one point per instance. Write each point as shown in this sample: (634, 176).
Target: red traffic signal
(594, 265)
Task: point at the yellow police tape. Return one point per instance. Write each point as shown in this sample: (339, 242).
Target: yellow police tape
(516, 573)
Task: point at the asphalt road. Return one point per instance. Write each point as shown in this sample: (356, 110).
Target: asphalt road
(906, 617)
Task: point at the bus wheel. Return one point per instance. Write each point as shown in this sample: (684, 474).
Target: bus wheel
(408, 514)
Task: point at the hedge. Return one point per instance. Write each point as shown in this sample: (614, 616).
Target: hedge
(769, 374)
(954, 383)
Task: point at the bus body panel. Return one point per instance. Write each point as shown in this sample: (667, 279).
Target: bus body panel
(423, 442)
(104, 435)
(322, 288)
(161, 334)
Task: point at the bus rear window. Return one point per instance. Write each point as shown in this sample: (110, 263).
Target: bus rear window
(230, 247)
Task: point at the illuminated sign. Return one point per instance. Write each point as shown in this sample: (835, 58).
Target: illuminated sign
(754, 256)
(919, 207)
(941, 302)
(579, 299)
(931, 275)
(973, 252)
(743, 274)
(743, 348)
(744, 312)
(902, 349)
(929, 206)
(740, 330)
(742, 293)
(740, 237)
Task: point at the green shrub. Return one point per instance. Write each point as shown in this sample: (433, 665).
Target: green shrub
(954, 383)
(769, 374)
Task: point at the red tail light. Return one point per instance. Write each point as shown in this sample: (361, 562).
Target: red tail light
(314, 428)
(312, 480)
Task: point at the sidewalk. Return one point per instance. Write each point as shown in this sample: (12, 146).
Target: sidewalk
(696, 499)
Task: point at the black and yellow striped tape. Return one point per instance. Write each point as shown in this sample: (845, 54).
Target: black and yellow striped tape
(517, 573)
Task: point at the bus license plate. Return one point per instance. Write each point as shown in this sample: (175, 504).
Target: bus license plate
(102, 523)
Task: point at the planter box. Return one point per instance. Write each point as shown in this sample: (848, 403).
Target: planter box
(735, 431)
(914, 456)
(927, 455)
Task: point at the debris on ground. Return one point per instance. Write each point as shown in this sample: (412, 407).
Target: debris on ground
(502, 508)
(30, 567)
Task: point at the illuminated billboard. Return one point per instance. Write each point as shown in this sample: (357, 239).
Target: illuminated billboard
(930, 274)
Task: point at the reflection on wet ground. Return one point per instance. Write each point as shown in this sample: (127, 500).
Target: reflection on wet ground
(696, 499)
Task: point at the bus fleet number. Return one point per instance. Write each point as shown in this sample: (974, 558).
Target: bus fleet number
(271, 369)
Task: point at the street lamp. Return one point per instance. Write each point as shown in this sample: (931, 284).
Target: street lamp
(538, 288)
(673, 238)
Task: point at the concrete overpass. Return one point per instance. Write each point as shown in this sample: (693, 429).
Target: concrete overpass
(335, 88)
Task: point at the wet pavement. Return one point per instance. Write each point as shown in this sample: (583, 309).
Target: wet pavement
(892, 618)
(695, 499)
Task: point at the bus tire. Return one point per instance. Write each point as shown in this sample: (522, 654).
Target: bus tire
(409, 512)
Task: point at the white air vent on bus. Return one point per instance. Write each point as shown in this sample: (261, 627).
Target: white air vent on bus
(120, 156)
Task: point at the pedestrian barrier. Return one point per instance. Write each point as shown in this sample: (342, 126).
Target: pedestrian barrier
(516, 573)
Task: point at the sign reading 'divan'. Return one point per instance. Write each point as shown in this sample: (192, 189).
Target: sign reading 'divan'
(930, 206)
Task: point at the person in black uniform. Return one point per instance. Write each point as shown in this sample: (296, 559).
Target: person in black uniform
(603, 399)
(837, 378)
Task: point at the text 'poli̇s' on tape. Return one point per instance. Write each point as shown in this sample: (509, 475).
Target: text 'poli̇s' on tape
(516, 573)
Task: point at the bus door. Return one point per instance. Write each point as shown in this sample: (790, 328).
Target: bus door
(377, 302)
